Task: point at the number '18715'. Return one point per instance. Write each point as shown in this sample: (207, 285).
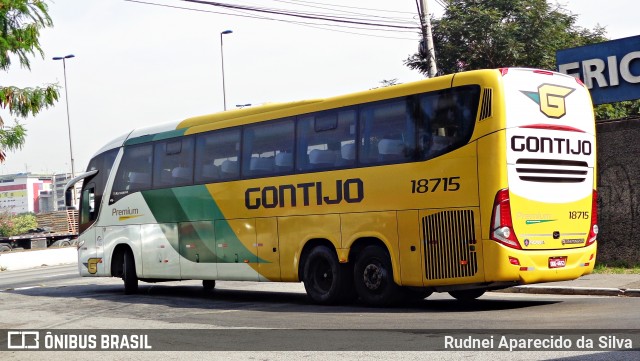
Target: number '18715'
(447, 184)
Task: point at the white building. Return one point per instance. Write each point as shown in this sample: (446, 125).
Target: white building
(27, 192)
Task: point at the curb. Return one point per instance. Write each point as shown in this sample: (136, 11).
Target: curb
(582, 291)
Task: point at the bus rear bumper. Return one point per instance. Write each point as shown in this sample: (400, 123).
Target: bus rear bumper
(503, 264)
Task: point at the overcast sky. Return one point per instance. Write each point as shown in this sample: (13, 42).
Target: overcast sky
(137, 65)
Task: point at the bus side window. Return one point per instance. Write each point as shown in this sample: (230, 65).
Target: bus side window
(447, 119)
(322, 137)
(262, 145)
(173, 162)
(217, 155)
(387, 132)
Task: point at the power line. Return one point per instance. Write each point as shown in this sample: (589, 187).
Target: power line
(353, 7)
(320, 26)
(311, 25)
(300, 15)
(442, 3)
(300, 3)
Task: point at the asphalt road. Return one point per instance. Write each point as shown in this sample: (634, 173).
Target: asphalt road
(57, 298)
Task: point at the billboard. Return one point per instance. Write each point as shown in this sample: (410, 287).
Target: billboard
(611, 70)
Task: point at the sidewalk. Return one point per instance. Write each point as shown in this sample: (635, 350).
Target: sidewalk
(627, 285)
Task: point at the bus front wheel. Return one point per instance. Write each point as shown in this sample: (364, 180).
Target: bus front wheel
(325, 279)
(467, 295)
(208, 285)
(373, 277)
(129, 274)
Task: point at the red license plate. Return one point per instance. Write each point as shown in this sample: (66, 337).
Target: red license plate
(557, 262)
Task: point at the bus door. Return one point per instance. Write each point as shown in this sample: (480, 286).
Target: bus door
(267, 248)
(90, 260)
(160, 243)
(99, 236)
(236, 249)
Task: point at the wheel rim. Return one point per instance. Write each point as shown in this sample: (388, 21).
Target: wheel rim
(373, 276)
(322, 276)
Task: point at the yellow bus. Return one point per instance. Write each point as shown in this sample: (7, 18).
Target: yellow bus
(462, 183)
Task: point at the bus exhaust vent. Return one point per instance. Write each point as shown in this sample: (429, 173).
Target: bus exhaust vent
(552, 170)
(450, 244)
(485, 110)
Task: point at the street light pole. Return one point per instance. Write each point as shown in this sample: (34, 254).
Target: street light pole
(224, 95)
(66, 96)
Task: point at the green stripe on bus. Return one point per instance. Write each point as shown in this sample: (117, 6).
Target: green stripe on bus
(153, 137)
(194, 209)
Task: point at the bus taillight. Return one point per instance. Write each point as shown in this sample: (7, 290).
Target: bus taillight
(593, 230)
(501, 223)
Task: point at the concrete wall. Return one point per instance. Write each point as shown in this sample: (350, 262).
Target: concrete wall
(619, 191)
(32, 259)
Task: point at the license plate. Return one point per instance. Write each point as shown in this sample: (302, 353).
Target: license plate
(557, 262)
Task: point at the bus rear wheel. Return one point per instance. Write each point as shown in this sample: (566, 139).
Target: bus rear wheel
(129, 274)
(325, 279)
(467, 295)
(373, 277)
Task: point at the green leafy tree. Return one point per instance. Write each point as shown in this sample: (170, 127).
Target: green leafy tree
(13, 225)
(625, 109)
(20, 25)
(24, 222)
(485, 34)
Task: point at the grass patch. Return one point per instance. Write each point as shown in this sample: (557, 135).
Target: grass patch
(616, 268)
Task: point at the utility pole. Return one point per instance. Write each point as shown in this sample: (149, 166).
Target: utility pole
(426, 46)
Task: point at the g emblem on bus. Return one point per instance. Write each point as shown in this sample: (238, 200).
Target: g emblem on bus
(550, 98)
(92, 265)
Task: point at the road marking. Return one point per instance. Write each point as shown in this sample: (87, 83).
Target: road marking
(60, 274)
(20, 288)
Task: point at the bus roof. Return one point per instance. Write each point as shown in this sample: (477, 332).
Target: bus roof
(277, 110)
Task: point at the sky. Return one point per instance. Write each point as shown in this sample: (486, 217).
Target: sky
(138, 65)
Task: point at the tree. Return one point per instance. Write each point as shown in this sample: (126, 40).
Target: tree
(13, 225)
(386, 82)
(484, 34)
(20, 24)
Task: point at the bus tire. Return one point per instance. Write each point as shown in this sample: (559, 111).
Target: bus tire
(373, 277)
(467, 295)
(5, 248)
(208, 285)
(129, 274)
(325, 279)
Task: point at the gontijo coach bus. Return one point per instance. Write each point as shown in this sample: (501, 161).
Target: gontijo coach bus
(461, 183)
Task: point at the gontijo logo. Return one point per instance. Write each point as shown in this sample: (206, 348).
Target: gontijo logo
(550, 98)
